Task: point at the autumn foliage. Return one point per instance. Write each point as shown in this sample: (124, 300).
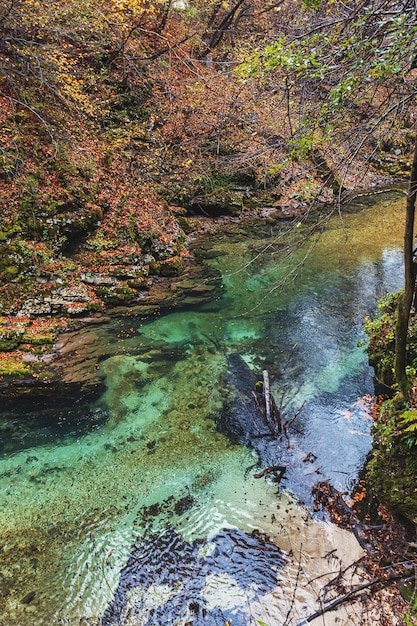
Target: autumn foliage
(121, 118)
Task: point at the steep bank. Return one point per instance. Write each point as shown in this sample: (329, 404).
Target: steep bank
(120, 122)
(393, 467)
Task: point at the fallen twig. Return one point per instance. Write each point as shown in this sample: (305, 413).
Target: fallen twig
(338, 601)
(294, 593)
(274, 469)
(296, 414)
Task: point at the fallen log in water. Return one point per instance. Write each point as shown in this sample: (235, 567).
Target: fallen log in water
(270, 412)
(267, 407)
(243, 419)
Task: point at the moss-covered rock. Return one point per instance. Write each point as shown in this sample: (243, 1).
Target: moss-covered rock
(13, 367)
(393, 476)
(393, 466)
(8, 344)
(381, 333)
(381, 346)
(171, 267)
(185, 225)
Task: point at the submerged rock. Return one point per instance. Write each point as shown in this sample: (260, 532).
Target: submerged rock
(241, 418)
(47, 414)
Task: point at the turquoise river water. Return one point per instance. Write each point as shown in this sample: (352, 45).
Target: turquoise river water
(146, 511)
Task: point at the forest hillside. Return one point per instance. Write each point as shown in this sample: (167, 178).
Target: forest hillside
(124, 120)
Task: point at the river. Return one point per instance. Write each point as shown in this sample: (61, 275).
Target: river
(141, 509)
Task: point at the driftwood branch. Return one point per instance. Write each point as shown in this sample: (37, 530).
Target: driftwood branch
(347, 596)
(267, 407)
(258, 403)
(267, 396)
(294, 417)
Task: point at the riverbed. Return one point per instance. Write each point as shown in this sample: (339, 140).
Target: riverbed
(142, 507)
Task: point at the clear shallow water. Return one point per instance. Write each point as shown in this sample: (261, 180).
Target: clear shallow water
(150, 515)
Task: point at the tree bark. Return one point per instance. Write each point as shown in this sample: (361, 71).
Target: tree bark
(406, 297)
(219, 32)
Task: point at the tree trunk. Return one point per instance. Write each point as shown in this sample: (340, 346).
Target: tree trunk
(406, 298)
